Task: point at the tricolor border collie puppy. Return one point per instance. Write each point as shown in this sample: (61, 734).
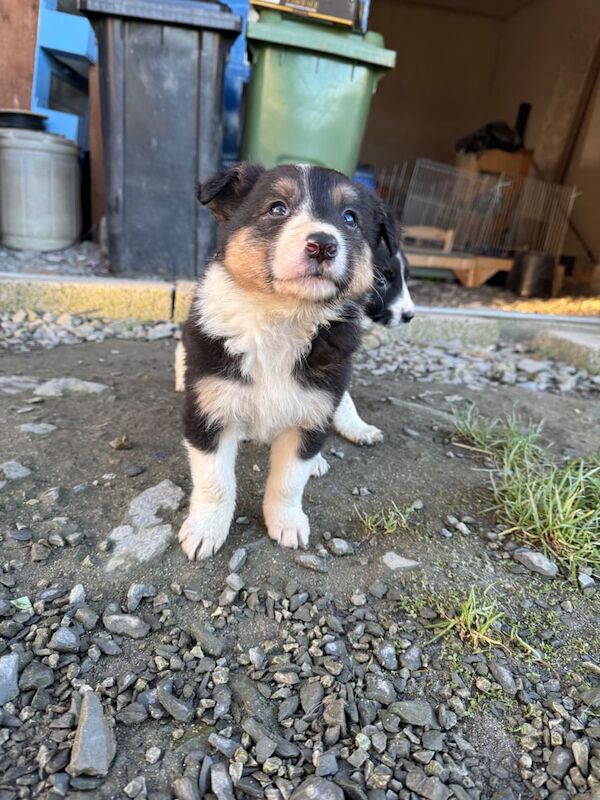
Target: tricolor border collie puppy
(268, 344)
(388, 303)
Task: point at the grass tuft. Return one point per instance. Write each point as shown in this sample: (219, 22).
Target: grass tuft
(497, 438)
(387, 522)
(473, 621)
(551, 506)
(479, 621)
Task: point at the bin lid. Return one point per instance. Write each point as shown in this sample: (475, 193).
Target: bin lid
(190, 13)
(277, 29)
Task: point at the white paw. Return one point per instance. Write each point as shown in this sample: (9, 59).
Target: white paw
(363, 434)
(288, 527)
(320, 467)
(203, 534)
(179, 383)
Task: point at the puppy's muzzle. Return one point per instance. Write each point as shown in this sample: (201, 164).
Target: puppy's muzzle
(321, 247)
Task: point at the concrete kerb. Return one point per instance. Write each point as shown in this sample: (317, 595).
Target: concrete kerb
(576, 340)
(110, 298)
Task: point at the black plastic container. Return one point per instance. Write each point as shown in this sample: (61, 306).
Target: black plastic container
(161, 87)
(24, 120)
(532, 275)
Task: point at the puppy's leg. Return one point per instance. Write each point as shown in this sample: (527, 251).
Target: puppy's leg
(293, 456)
(213, 496)
(348, 423)
(179, 367)
(320, 466)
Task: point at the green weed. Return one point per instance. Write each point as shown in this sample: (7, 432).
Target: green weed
(387, 522)
(551, 506)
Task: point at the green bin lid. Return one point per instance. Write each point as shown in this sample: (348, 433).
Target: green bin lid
(284, 30)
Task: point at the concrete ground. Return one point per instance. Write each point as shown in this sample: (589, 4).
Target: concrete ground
(80, 484)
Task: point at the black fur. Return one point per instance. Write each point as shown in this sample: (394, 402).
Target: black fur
(390, 276)
(205, 357)
(223, 192)
(328, 366)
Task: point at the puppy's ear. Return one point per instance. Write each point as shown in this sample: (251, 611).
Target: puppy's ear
(387, 228)
(223, 192)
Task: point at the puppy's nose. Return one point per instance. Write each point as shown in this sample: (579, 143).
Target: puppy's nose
(322, 246)
(407, 316)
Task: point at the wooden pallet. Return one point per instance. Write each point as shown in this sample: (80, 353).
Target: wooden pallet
(470, 271)
(420, 236)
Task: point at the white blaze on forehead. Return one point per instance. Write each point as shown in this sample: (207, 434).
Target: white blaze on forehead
(290, 262)
(403, 304)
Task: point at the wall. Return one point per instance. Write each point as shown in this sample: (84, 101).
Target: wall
(534, 43)
(18, 35)
(439, 90)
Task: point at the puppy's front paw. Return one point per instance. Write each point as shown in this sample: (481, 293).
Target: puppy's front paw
(202, 535)
(320, 467)
(179, 383)
(364, 434)
(288, 527)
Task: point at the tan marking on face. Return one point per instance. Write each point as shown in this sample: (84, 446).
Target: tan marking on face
(343, 195)
(246, 261)
(287, 188)
(362, 279)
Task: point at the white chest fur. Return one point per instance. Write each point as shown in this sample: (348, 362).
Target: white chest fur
(269, 341)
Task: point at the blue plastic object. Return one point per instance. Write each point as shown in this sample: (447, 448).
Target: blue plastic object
(237, 75)
(63, 39)
(365, 174)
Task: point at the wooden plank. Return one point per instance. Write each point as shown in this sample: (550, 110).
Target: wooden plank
(18, 37)
(98, 199)
(470, 271)
(580, 62)
(441, 260)
(427, 233)
(497, 264)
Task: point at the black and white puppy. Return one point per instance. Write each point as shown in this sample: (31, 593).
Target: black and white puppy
(268, 344)
(388, 303)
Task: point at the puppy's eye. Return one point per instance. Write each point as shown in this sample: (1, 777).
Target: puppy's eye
(380, 281)
(349, 218)
(278, 209)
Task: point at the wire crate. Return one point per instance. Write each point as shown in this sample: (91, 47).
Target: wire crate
(452, 210)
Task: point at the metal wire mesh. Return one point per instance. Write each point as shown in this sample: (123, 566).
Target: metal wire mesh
(478, 213)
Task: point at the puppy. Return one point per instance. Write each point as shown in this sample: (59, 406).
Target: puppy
(268, 344)
(388, 303)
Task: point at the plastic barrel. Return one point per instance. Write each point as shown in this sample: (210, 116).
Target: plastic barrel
(40, 202)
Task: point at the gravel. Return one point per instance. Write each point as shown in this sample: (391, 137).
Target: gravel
(142, 682)
(397, 563)
(57, 387)
(94, 745)
(325, 711)
(536, 562)
(9, 671)
(83, 258)
(504, 364)
(124, 624)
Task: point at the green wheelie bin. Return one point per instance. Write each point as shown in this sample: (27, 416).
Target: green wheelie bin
(310, 92)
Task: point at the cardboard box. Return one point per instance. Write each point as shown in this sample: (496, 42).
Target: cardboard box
(496, 161)
(340, 12)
